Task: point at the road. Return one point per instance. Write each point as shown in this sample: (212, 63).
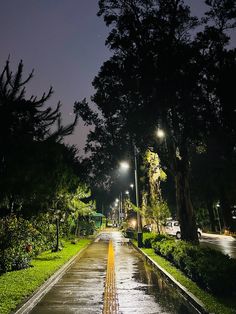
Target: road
(225, 244)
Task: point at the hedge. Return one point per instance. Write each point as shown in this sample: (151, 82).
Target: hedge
(210, 269)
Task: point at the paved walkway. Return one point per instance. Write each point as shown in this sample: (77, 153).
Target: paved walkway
(138, 288)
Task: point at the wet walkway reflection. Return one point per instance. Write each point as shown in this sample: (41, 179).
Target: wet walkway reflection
(139, 288)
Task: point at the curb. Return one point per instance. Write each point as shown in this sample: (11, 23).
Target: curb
(194, 301)
(47, 285)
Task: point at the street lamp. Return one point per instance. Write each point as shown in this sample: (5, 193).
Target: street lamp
(160, 133)
(140, 235)
(217, 209)
(124, 165)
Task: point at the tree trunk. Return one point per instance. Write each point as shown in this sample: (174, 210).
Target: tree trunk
(211, 215)
(57, 235)
(227, 216)
(77, 226)
(184, 205)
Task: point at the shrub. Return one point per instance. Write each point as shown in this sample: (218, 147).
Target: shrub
(15, 234)
(86, 227)
(14, 258)
(209, 268)
(149, 239)
(166, 249)
(216, 272)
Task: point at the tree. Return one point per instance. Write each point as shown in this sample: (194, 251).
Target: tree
(154, 207)
(159, 77)
(218, 71)
(26, 140)
(152, 78)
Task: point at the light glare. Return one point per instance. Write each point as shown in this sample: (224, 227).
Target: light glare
(160, 133)
(124, 165)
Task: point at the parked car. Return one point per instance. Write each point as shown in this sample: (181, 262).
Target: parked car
(172, 227)
(147, 228)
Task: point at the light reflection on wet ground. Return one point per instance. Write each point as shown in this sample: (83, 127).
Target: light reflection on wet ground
(80, 290)
(139, 288)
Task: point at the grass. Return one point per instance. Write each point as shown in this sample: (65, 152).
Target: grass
(213, 304)
(15, 286)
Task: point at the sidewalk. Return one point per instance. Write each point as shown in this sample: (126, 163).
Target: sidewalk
(80, 290)
(138, 288)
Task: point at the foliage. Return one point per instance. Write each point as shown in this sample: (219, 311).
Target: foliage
(149, 239)
(155, 175)
(214, 304)
(153, 206)
(31, 153)
(209, 268)
(163, 73)
(20, 284)
(159, 212)
(15, 234)
(86, 226)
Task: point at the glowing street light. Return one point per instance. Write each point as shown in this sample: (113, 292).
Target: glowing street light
(127, 192)
(124, 165)
(131, 185)
(160, 133)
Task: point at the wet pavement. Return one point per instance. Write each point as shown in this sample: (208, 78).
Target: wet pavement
(80, 290)
(222, 243)
(139, 289)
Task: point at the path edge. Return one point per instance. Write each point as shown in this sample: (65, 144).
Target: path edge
(34, 298)
(189, 296)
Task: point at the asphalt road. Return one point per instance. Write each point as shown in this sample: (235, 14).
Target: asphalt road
(225, 244)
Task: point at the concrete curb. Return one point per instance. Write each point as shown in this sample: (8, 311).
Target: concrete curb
(45, 287)
(194, 301)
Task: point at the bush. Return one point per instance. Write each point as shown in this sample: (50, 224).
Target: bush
(149, 239)
(14, 258)
(86, 227)
(209, 268)
(15, 236)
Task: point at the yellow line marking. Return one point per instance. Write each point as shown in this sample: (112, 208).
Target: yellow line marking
(110, 304)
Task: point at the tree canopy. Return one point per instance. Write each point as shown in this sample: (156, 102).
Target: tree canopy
(161, 75)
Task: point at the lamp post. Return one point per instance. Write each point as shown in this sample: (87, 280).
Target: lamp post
(217, 209)
(140, 234)
(117, 207)
(125, 166)
(121, 207)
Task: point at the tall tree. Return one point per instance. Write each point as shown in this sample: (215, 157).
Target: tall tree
(152, 79)
(219, 72)
(158, 77)
(26, 138)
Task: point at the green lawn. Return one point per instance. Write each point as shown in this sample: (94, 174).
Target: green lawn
(213, 304)
(15, 286)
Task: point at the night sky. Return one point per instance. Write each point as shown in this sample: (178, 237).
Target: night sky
(64, 41)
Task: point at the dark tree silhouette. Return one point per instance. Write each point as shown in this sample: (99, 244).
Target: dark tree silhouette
(159, 76)
(26, 137)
